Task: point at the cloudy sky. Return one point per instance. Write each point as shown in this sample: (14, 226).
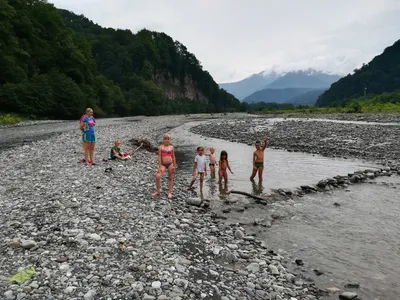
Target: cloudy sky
(236, 38)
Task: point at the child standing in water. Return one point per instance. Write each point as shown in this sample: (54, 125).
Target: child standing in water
(213, 160)
(223, 165)
(166, 162)
(258, 160)
(199, 168)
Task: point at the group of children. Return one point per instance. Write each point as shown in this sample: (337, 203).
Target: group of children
(167, 163)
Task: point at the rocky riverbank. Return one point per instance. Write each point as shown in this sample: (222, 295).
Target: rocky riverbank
(91, 234)
(378, 143)
(360, 117)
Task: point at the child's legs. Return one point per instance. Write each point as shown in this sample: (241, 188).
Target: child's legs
(220, 175)
(225, 176)
(159, 174)
(254, 173)
(193, 180)
(201, 181)
(260, 173)
(212, 170)
(91, 145)
(170, 178)
(86, 146)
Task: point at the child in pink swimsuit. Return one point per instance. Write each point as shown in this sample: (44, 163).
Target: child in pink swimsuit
(166, 162)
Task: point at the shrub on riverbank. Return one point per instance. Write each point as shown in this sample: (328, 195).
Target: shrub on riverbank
(386, 102)
(9, 119)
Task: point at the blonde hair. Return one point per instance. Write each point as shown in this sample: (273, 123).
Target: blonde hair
(166, 136)
(88, 110)
(117, 141)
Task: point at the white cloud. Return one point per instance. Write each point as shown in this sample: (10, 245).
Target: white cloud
(234, 39)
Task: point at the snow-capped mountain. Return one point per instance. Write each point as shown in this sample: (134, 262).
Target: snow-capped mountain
(275, 79)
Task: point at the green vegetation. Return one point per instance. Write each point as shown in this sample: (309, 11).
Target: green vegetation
(381, 75)
(49, 69)
(9, 119)
(386, 102)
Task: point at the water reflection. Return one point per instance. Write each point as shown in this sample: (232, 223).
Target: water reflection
(257, 188)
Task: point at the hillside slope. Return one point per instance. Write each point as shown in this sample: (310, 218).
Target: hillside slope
(381, 75)
(304, 79)
(307, 98)
(50, 70)
(275, 95)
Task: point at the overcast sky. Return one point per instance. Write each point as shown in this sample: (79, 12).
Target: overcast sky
(236, 38)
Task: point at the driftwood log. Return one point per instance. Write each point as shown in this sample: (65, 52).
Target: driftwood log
(248, 195)
(144, 144)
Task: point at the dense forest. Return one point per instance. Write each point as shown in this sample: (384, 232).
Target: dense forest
(381, 75)
(54, 63)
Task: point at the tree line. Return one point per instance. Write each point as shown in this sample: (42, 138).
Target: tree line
(381, 75)
(54, 63)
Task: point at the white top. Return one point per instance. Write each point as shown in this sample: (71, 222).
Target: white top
(201, 163)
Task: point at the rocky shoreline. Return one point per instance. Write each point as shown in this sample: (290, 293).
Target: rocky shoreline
(91, 234)
(376, 143)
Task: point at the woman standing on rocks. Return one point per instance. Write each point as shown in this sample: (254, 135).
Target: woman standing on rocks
(166, 161)
(89, 138)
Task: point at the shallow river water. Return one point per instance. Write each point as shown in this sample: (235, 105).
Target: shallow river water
(358, 241)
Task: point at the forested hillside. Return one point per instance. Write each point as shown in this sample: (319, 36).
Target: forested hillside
(48, 69)
(275, 95)
(381, 75)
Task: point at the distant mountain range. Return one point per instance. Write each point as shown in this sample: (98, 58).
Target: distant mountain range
(280, 88)
(299, 96)
(304, 79)
(241, 89)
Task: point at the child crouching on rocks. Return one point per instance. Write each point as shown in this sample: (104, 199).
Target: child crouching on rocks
(166, 162)
(116, 154)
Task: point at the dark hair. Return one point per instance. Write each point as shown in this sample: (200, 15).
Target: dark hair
(223, 153)
(258, 142)
(200, 148)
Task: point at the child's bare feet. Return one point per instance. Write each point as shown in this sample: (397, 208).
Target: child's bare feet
(155, 194)
(169, 195)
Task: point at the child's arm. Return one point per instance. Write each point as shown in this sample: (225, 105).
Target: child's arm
(173, 158)
(116, 154)
(82, 125)
(159, 156)
(205, 169)
(254, 159)
(265, 142)
(229, 168)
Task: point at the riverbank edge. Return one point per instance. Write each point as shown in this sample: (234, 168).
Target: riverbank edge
(340, 181)
(228, 240)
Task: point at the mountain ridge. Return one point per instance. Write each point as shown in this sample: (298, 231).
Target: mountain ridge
(380, 75)
(265, 79)
(276, 95)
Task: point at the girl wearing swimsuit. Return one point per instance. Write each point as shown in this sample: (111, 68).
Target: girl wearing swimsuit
(223, 165)
(166, 162)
